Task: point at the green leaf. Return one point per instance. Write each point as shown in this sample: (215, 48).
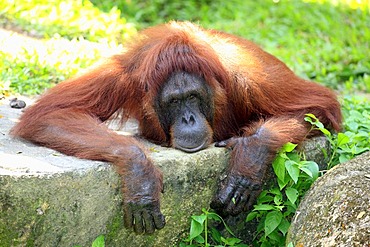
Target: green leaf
(272, 221)
(342, 139)
(313, 120)
(284, 226)
(275, 236)
(214, 216)
(99, 242)
(278, 199)
(282, 184)
(231, 241)
(294, 156)
(275, 191)
(307, 171)
(195, 229)
(252, 215)
(199, 218)
(215, 234)
(292, 169)
(353, 126)
(343, 158)
(279, 167)
(319, 125)
(311, 168)
(264, 199)
(265, 243)
(292, 194)
(288, 147)
(199, 239)
(308, 119)
(325, 131)
(263, 207)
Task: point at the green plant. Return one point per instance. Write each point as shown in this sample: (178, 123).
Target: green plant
(319, 40)
(355, 138)
(202, 234)
(4, 88)
(356, 128)
(149, 12)
(26, 75)
(275, 207)
(68, 19)
(317, 49)
(32, 67)
(99, 242)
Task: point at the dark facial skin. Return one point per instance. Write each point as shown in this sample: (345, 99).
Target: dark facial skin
(185, 109)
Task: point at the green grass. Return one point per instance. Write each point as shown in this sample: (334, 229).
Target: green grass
(69, 19)
(319, 40)
(29, 67)
(75, 35)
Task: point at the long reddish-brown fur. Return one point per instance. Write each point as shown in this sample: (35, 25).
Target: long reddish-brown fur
(253, 90)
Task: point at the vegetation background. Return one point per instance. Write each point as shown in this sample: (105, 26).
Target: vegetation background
(43, 42)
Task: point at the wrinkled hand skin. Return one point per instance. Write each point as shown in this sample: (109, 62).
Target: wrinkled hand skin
(243, 183)
(141, 189)
(235, 195)
(144, 216)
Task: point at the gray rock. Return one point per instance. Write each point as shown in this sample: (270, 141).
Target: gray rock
(336, 210)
